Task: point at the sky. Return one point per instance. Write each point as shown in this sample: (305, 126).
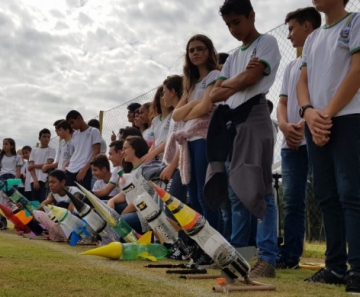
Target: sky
(93, 55)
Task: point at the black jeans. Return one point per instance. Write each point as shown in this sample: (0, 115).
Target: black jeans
(39, 195)
(336, 169)
(71, 179)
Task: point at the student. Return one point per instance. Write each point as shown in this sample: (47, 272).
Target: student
(200, 74)
(138, 122)
(66, 146)
(328, 93)
(58, 196)
(247, 135)
(294, 157)
(100, 167)
(160, 127)
(131, 112)
(145, 117)
(86, 142)
(38, 158)
(10, 161)
(26, 151)
(134, 149)
(96, 124)
(129, 131)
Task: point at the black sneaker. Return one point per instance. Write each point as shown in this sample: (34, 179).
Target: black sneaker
(353, 283)
(286, 264)
(175, 255)
(325, 276)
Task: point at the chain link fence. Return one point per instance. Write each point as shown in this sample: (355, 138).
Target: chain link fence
(116, 118)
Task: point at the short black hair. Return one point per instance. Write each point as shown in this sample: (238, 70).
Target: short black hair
(117, 144)
(236, 7)
(27, 148)
(44, 131)
(73, 115)
(100, 161)
(307, 14)
(130, 131)
(58, 122)
(94, 123)
(64, 125)
(133, 106)
(58, 174)
(222, 58)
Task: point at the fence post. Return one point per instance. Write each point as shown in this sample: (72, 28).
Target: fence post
(101, 119)
(299, 52)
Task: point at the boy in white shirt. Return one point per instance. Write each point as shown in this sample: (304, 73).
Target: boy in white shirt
(242, 164)
(100, 167)
(86, 142)
(328, 93)
(115, 157)
(66, 146)
(38, 158)
(58, 196)
(294, 157)
(26, 150)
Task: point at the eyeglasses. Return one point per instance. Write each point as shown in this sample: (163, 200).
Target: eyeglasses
(197, 49)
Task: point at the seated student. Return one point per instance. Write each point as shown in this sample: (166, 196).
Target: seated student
(100, 167)
(129, 131)
(135, 147)
(38, 158)
(115, 157)
(57, 196)
(87, 145)
(131, 112)
(146, 118)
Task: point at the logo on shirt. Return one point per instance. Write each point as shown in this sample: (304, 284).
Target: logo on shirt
(253, 54)
(344, 35)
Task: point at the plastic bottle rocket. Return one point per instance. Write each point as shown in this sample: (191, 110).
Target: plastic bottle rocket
(78, 227)
(93, 219)
(151, 212)
(55, 231)
(114, 220)
(130, 251)
(19, 226)
(16, 197)
(210, 240)
(51, 216)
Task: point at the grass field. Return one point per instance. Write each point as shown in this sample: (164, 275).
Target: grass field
(42, 268)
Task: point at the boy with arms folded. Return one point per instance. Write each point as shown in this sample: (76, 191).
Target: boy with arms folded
(248, 139)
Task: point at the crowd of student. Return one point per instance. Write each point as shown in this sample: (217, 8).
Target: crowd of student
(209, 133)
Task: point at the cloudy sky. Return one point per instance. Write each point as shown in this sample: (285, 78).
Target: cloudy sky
(90, 54)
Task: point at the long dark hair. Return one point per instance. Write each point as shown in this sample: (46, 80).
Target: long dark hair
(191, 72)
(13, 149)
(141, 149)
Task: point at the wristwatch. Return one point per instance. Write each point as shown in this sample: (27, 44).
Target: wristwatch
(303, 108)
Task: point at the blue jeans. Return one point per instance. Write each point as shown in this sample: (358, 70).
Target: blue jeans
(266, 233)
(240, 226)
(336, 170)
(295, 168)
(133, 220)
(199, 162)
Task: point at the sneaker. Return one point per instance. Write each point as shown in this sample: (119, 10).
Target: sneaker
(282, 263)
(175, 255)
(204, 260)
(262, 269)
(325, 276)
(353, 283)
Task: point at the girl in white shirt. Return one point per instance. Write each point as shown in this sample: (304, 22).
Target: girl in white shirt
(10, 161)
(200, 74)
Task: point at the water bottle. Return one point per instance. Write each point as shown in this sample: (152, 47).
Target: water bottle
(210, 240)
(15, 196)
(130, 251)
(150, 211)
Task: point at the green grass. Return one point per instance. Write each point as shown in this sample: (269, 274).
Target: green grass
(41, 268)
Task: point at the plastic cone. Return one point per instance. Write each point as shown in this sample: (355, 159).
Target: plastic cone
(111, 251)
